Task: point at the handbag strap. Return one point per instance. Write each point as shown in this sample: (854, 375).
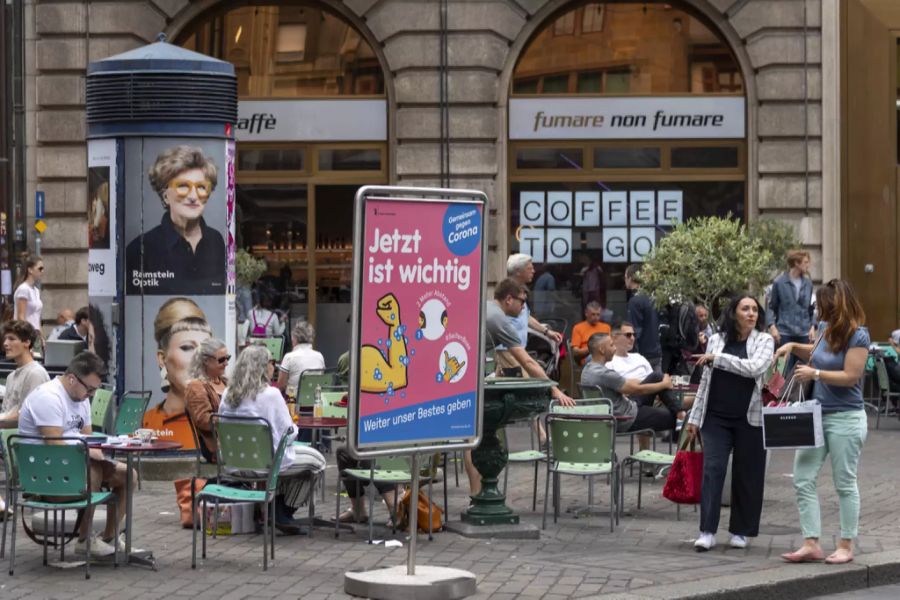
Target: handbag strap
(786, 393)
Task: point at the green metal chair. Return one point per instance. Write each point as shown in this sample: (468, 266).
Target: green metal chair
(275, 345)
(581, 445)
(100, 404)
(306, 390)
(43, 469)
(392, 470)
(130, 417)
(244, 446)
(7, 482)
(592, 392)
(885, 395)
(522, 457)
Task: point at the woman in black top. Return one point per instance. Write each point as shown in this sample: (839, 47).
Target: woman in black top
(728, 412)
(181, 255)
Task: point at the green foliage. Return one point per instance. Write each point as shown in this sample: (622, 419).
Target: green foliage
(777, 237)
(706, 259)
(248, 268)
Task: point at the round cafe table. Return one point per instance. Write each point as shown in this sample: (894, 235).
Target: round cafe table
(144, 558)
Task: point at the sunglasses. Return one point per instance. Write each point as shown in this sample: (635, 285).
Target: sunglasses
(183, 188)
(628, 335)
(522, 300)
(88, 388)
(224, 359)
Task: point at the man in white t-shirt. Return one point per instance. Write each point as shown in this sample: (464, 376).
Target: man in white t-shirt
(632, 365)
(301, 358)
(60, 408)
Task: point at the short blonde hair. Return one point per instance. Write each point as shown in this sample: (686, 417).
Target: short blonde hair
(179, 159)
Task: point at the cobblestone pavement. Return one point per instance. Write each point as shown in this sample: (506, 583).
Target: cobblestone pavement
(576, 558)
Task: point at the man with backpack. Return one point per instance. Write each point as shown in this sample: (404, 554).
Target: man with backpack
(642, 314)
(679, 334)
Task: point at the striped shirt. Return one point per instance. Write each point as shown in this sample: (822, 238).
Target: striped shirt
(760, 349)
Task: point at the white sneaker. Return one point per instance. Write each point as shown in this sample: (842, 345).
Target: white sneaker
(738, 541)
(98, 547)
(705, 542)
(120, 543)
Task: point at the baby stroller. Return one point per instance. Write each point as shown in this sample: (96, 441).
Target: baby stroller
(545, 350)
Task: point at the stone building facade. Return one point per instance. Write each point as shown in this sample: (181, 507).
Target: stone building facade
(786, 50)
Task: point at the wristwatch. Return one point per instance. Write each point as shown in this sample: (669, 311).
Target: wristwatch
(546, 329)
(818, 374)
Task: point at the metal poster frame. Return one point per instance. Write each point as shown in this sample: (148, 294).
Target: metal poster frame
(400, 195)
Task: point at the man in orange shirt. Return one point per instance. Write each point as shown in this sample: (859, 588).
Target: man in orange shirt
(582, 331)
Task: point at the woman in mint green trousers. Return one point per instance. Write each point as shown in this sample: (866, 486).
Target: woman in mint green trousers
(836, 365)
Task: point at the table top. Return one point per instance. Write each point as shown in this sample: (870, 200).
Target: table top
(150, 447)
(308, 422)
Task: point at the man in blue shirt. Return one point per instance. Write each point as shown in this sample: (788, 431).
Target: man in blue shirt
(790, 309)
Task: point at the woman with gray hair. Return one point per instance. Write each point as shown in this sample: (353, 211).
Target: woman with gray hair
(250, 395)
(181, 255)
(204, 390)
(301, 358)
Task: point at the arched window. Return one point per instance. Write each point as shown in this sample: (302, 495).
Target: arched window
(311, 129)
(289, 51)
(623, 117)
(626, 48)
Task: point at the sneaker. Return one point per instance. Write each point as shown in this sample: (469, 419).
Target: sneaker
(98, 547)
(120, 543)
(705, 542)
(738, 541)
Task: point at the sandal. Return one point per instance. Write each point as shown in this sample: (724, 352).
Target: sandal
(348, 516)
(801, 556)
(843, 558)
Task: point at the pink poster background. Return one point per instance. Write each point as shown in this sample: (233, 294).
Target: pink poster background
(427, 329)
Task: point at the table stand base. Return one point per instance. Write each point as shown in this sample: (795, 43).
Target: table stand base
(429, 583)
(143, 558)
(518, 531)
(320, 522)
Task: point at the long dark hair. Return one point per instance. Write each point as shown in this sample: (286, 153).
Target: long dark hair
(729, 318)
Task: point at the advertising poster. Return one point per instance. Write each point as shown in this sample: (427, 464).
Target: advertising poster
(177, 220)
(418, 323)
(101, 218)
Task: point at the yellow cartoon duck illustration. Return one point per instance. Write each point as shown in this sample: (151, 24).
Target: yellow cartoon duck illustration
(385, 370)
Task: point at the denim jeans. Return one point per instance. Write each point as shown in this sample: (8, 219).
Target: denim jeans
(721, 437)
(845, 433)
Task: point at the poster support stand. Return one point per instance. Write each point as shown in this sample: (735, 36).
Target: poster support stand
(419, 256)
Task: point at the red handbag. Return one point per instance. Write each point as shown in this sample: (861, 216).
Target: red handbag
(773, 388)
(686, 475)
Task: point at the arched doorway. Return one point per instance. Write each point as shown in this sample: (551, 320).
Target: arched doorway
(622, 116)
(312, 128)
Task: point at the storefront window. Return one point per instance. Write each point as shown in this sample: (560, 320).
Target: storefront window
(297, 166)
(289, 51)
(597, 179)
(573, 226)
(627, 48)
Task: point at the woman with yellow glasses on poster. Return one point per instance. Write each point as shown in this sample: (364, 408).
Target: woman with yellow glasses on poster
(181, 255)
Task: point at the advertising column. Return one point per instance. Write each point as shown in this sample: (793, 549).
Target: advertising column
(179, 287)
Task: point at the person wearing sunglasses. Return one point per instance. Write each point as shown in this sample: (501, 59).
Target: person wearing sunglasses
(181, 255)
(204, 390)
(27, 297)
(61, 408)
